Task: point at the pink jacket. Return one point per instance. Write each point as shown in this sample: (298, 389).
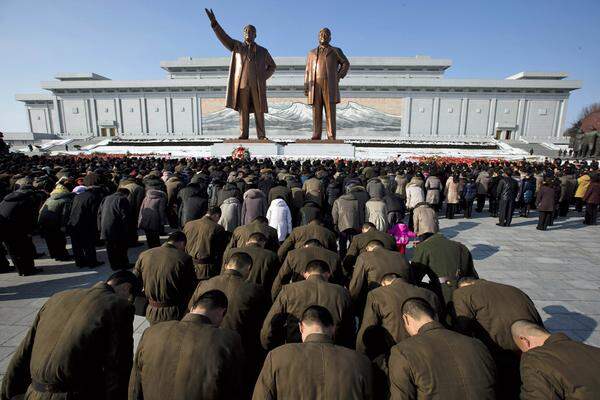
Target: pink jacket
(401, 233)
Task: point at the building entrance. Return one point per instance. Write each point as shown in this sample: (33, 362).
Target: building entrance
(104, 132)
(503, 134)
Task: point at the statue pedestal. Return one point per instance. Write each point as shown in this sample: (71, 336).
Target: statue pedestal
(320, 149)
(257, 148)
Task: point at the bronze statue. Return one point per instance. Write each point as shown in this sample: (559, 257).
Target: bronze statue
(251, 66)
(325, 66)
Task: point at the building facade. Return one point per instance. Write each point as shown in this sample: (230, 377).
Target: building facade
(382, 97)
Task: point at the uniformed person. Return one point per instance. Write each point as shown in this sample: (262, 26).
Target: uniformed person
(436, 363)
(205, 243)
(241, 234)
(190, 359)
(247, 307)
(487, 310)
(360, 241)
(280, 325)
(80, 345)
(554, 366)
(315, 368)
(444, 261)
(371, 266)
(301, 234)
(265, 263)
(168, 278)
(382, 326)
(296, 261)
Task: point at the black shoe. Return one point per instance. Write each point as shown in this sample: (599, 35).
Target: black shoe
(39, 255)
(499, 224)
(32, 272)
(65, 258)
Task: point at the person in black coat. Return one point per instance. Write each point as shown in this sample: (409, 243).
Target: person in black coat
(18, 218)
(493, 194)
(545, 200)
(113, 220)
(309, 212)
(193, 203)
(396, 208)
(506, 195)
(82, 226)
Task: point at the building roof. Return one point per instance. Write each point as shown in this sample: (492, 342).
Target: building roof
(33, 97)
(346, 84)
(223, 62)
(539, 75)
(79, 76)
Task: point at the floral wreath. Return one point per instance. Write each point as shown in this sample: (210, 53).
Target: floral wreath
(241, 153)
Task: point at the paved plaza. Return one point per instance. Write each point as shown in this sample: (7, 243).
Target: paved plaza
(559, 269)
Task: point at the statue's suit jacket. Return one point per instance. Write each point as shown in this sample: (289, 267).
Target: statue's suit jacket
(265, 67)
(337, 67)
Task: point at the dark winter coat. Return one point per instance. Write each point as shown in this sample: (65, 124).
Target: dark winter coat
(153, 211)
(545, 198)
(19, 212)
(193, 203)
(229, 190)
(255, 205)
(83, 218)
(56, 211)
(309, 212)
(507, 189)
(592, 194)
(113, 217)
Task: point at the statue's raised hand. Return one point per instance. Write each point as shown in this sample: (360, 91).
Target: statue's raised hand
(211, 15)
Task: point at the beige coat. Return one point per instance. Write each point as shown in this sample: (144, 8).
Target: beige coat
(425, 220)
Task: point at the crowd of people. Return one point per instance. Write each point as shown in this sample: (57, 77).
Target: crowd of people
(286, 279)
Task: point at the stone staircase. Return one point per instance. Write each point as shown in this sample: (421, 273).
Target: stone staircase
(538, 148)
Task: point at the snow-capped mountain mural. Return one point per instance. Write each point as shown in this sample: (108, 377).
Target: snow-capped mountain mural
(296, 119)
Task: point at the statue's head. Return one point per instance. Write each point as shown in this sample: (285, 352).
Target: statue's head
(324, 36)
(249, 34)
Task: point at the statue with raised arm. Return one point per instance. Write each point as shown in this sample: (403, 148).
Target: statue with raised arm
(325, 66)
(251, 65)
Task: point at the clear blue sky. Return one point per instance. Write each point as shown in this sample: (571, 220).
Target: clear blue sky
(127, 39)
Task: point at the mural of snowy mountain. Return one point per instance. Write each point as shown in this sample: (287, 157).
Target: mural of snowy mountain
(294, 117)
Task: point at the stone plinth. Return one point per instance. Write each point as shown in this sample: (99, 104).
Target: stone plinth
(257, 148)
(320, 149)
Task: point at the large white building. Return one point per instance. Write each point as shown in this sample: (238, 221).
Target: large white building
(382, 97)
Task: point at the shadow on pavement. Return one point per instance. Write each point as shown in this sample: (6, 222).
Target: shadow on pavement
(482, 251)
(562, 319)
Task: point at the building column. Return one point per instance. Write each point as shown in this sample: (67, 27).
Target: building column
(519, 133)
(119, 115)
(88, 115)
(199, 119)
(492, 118)
(143, 115)
(58, 128)
(406, 116)
(435, 116)
(94, 110)
(462, 123)
(48, 116)
(561, 120)
(169, 108)
(29, 118)
(557, 116)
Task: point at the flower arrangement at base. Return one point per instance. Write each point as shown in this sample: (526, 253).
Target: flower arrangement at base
(240, 153)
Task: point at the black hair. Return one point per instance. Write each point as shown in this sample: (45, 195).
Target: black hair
(416, 307)
(240, 260)
(123, 276)
(211, 300)
(317, 315)
(176, 237)
(319, 266)
(214, 210)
